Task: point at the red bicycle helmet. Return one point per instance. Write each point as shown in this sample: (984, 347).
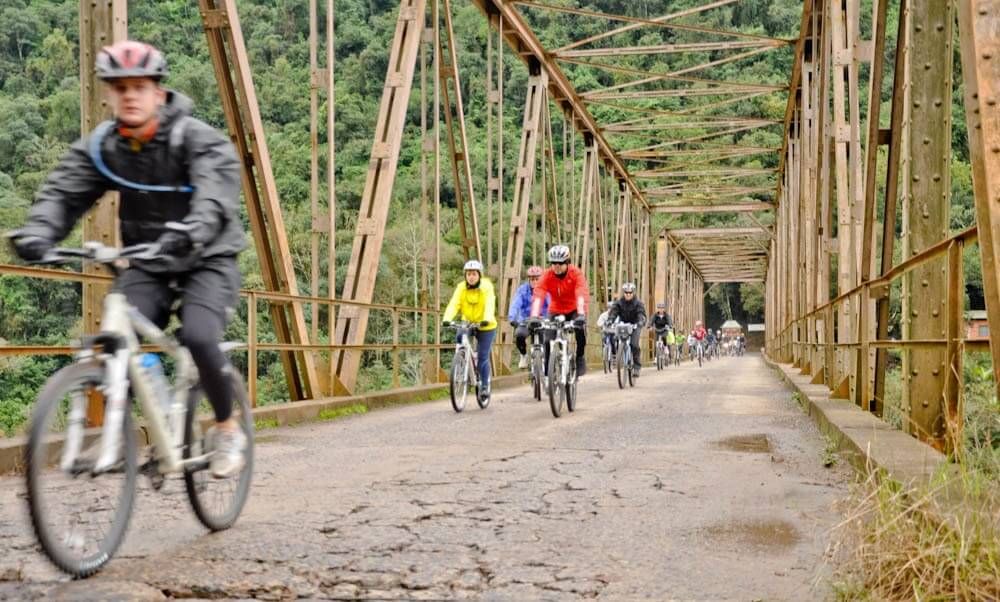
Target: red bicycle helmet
(130, 59)
(534, 271)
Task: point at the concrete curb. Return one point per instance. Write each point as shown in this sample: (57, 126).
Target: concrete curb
(863, 437)
(12, 449)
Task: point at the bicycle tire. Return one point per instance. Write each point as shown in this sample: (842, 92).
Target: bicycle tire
(700, 354)
(537, 373)
(607, 358)
(198, 482)
(630, 372)
(619, 366)
(458, 384)
(556, 391)
(659, 358)
(571, 379)
(56, 546)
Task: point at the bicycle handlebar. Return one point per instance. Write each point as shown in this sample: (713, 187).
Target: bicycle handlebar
(101, 253)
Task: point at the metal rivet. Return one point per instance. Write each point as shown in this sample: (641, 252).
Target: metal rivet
(927, 140)
(991, 102)
(937, 178)
(937, 102)
(914, 372)
(935, 371)
(926, 404)
(914, 313)
(916, 104)
(939, 27)
(925, 282)
(935, 313)
(918, 27)
(916, 178)
(928, 66)
(987, 56)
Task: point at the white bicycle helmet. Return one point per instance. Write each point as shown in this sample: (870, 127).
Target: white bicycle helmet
(473, 264)
(628, 287)
(559, 254)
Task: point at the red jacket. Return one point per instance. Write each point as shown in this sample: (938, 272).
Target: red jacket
(567, 294)
(699, 333)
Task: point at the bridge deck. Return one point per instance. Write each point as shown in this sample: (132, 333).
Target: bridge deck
(699, 483)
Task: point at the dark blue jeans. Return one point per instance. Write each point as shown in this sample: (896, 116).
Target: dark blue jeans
(485, 344)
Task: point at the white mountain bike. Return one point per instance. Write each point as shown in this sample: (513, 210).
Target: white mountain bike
(82, 481)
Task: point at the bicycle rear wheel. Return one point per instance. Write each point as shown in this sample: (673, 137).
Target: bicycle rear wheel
(659, 358)
(630, 370)
(556, 390)
(79, 518)
(217, 502)
(620, 367)
(537, 372)
(571, 387)
(608, 358)
(458, 384)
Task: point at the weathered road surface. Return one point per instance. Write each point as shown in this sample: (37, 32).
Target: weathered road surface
(700, 483)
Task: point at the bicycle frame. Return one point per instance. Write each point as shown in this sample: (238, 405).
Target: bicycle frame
(124, 323)
(464, 331)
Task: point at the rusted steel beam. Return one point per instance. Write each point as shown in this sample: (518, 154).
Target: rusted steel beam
(458, 144)
(227, 49)
(522, 39)
(690, 92)
(930, 153)
(734, 231)
(979, 21)
(732, 208)
(646, 76)
(707, 136)
(645, 22)
(891, 196)
(686, 125)
(101, 24)
(632, 26)
(359, 283)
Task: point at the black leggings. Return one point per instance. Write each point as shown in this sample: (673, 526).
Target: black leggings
(207, 294)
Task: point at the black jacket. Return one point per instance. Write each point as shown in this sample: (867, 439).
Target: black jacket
(205, 159)
(662, 323)
(633, 312)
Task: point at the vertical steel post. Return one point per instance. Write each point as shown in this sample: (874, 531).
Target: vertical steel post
(979, 21)
(102, 23)
(359, 284)
(930, 153)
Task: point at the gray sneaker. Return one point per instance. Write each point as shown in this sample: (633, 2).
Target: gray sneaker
(228, 446)
(523, 362)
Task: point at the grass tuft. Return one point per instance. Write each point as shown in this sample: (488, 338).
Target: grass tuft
(937, 541)
(335, 413)
(266, 423)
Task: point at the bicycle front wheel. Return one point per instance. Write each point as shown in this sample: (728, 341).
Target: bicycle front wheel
(556, 388)
(537, 373)
(620, 367)
(79, 518)
(217, 502)
(458, 385)
(608, 359)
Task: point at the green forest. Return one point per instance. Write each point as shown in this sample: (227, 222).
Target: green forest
(39, 118)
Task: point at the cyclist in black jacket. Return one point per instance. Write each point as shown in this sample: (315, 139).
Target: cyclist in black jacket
(179, 185)
(661, 322)
(629, 309)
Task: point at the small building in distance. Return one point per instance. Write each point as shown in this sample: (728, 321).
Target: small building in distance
(977, 327)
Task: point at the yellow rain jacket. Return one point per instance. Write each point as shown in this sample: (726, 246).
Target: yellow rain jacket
(473, 304)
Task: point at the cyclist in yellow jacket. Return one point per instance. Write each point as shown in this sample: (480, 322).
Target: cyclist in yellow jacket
(475, 301)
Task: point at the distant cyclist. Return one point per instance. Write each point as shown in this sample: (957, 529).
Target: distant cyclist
(179, 185)
(475, 301)
(631, 310)
(566, 287)
(661, 322)
(520, 310)
(698, 334)
(606, 325)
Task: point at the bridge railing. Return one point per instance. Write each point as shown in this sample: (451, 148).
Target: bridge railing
(425, 320)
(811, 340)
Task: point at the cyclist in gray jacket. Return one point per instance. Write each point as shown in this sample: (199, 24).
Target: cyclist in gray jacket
(179, 185)
(629, 309)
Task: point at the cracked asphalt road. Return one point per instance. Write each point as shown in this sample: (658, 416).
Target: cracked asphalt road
(700, 483)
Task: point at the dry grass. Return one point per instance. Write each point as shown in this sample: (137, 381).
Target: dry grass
(938, 541)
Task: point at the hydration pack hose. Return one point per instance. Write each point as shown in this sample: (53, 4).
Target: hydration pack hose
(96, 138)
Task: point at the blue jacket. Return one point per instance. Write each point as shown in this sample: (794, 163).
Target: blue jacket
(520, 307)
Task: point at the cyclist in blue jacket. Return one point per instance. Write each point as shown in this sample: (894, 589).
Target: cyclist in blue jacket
(520, 311)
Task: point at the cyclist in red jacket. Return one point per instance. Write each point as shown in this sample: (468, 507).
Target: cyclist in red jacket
(568, 297)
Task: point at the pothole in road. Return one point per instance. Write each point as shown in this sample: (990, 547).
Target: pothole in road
(757, 443)
(769, 533)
